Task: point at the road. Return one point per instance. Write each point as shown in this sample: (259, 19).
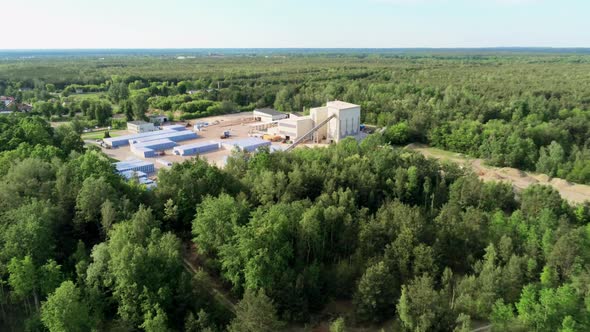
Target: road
(214, 289)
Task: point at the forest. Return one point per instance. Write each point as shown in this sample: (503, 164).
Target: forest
(408, 243)
(528, 111)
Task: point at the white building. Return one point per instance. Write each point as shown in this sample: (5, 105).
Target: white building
(293, 127)
(139, 127)
(268, 115)
(345, 120)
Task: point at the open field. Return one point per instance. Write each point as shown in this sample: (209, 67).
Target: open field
(99, 134)
(574, 193)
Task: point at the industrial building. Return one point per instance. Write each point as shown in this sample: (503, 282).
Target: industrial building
(196, 148)
(245, 144)
(139, 127)
(343, 120)
(293, 128)
(268, 115)
(135, 165)
(332, 123)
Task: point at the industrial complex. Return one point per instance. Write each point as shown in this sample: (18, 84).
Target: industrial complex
(144, 148)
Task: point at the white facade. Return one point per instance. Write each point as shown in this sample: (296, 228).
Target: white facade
(293, 127)
(346, 121)
(269, 115)
(139, 127)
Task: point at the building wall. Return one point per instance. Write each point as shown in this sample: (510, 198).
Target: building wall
(346, 123)
(142, 128)
(295, 127)
(318, 115)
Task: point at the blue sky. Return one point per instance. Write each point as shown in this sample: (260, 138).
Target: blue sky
(54, 24)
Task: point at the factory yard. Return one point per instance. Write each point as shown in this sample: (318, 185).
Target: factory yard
(237, 124)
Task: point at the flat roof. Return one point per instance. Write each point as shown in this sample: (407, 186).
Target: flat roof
(137, 123)
(195, 145)
(135, 136)
(341, 104)
(245, 142)
(155, 142)
(269, 111)
(294, 120)
(131, 163)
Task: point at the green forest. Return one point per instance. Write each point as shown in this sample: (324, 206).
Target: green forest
(407, 243)
(528, 111)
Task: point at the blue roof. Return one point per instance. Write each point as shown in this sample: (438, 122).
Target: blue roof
(137, 136)
(245, 142)
(127, 164)
(195, 145)
(155, 142)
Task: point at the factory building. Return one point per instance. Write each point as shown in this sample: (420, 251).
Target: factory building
(343, 120)
(196, 148)
(268, 115)
(245, 144)
(332, 123)
(293, 128)
(139, 127)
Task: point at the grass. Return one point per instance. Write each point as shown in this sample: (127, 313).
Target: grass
(100, 134)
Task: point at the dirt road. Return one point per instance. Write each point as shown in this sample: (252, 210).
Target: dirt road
(573, 193)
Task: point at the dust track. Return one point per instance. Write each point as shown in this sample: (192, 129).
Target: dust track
(573, 193)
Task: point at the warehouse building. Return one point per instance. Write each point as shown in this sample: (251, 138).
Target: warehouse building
(134, 165)
(245, 144)
(268, 115)
(139, 127)
(196, 148)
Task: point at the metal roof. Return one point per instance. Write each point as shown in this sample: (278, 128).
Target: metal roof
(137, 123)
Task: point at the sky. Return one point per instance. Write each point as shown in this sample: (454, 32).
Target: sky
(63, 24)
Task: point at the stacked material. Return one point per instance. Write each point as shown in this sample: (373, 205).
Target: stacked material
(149, 149)
(134, 165)
(196, 148)
(245, 144)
